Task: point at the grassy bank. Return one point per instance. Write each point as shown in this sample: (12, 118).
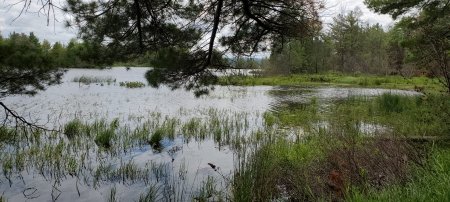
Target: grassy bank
(428, 183)
(391, 82)
(356, 149)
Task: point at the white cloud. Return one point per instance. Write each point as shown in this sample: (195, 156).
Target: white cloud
(2, 22)
(12, 20)
(335, 7)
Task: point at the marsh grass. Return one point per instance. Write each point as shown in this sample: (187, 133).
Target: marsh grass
(392, 82)
(334, 162)
(73, 128)
(428, 183)
(151, 195)
(324, 166)
(392, 103)
(406, 115)
(293, 114)
(156, 138)
(208, 191)
(94, 79)
(340, 161)
(112, 195)
(132, 84)
(103, 138)
(6, 135)
(92, 150)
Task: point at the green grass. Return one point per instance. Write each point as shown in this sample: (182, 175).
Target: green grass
(73, 128)
(104, 138)
(132, 84)
(295, 114)
(428, 183)
(392, 103)
(269, 163)
(273, 165)
(151, 195)
(155, 139)
(6, 134)
(301, 168)
(406, 115)
(373, 81)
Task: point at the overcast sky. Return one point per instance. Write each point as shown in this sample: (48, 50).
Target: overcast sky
(37, 23)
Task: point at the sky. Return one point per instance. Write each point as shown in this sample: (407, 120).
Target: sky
(35, 22)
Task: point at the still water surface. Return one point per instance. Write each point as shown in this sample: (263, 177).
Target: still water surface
(187, 158)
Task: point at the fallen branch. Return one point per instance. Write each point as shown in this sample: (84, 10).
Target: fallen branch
(19, 119)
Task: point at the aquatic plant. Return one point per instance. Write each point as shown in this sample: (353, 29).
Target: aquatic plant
(6, 134)
(389, 82)
(389, 102)
(132, 84)
(112, 195)
(103, 138)
(155, 139)
(208, 190)
(94, 79)
(192, 127)
(277, 155)
(73, 128)
(151, 195)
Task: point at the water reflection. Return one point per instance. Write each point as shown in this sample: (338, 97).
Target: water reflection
(182, 163)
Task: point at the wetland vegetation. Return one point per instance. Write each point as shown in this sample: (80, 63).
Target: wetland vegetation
(348, 112)
(417, 83)
(368, 144)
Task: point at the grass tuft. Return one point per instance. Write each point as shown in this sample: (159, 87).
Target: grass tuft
(389, 102)
(93, 79)
(73, 128)
(151, 195)
(132, 84)
(103, 138)
(155, 139)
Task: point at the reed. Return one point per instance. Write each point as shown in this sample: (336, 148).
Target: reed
(93, 79)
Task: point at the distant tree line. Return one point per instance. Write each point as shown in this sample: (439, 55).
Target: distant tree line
(20, 50)
(418, 43)
(179, 39)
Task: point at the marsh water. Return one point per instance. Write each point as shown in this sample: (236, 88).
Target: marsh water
(181, 168)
